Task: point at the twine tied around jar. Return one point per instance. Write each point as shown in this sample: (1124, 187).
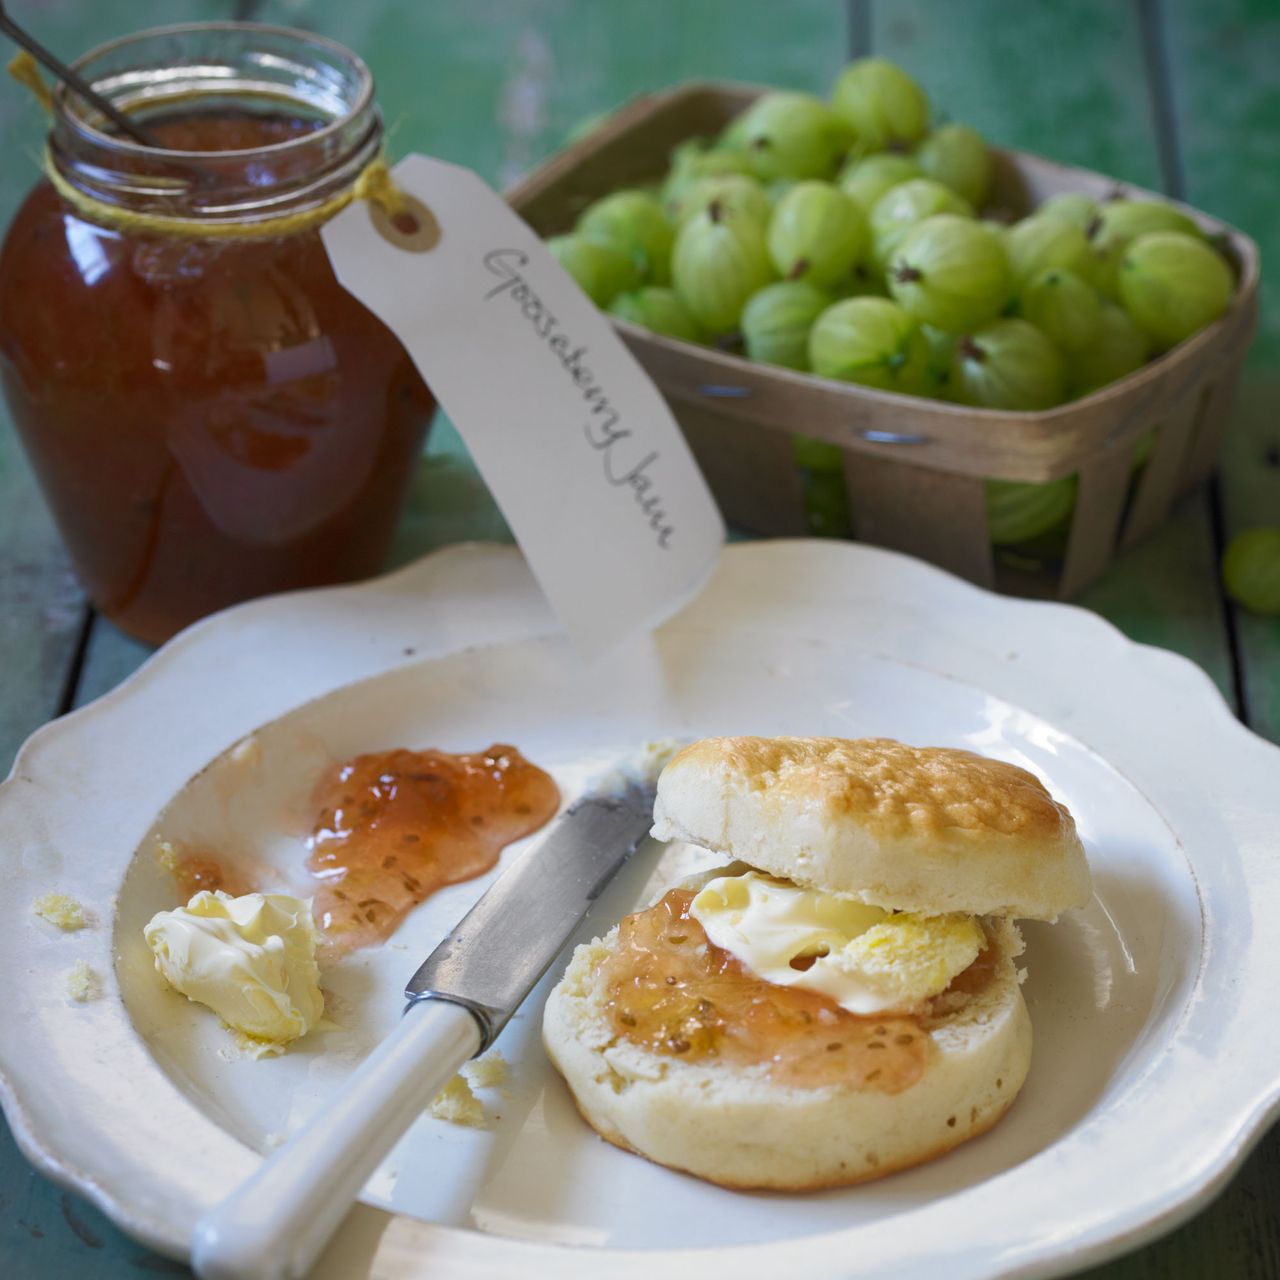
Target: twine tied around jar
(399, 217)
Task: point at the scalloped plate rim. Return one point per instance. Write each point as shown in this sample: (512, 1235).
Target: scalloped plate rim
(1146, 1217)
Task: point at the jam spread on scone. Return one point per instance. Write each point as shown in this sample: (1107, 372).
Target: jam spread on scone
(674, 992)
(394, 827)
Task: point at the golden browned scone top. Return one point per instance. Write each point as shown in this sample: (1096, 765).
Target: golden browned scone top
(929, 829)
(893, 789)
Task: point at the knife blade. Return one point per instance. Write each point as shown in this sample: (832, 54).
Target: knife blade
(274, 1226)
(493, 958)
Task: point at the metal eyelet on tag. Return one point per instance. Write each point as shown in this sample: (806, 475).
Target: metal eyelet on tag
(414, 229)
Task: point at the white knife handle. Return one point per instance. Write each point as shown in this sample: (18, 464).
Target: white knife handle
(274, 1226)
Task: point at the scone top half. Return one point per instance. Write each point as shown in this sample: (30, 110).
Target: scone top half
(929, 830)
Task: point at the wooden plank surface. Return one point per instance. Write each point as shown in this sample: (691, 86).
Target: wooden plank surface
(1221, 62)
(42, 610)
(46, 1233)
(1224, 62)
(1064, 80)
(1070, 79)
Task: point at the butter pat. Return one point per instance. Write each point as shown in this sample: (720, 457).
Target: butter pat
(867, 960)
(251, 959)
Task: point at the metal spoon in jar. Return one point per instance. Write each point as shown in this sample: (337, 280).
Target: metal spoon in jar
(72, 80)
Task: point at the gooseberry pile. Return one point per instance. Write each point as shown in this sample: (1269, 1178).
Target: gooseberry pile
(846, 238)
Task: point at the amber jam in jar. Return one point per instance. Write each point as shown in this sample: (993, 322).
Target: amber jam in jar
(210, 414)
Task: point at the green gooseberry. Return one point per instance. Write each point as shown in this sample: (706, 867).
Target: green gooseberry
(950, 272)
(817, 455)
(1008, 364)
(1063, 307)
(777, 320)
(873, 342)
(792, 135)
(633, 221)
(826, 503)
(882, 103)
(817, 234)
(1119, 223)
(1018, 512)
(957, 156)
(942, 347)
(690, 163)
(1251, 570)
(1173, 284)
(1080, 210)
(1129, 219)
(720, 260)
(867, 178)
(1119, 348)
(1144, 447)
(601, 270)
(733, 136)
(736, 191)
(905, 205)
(659, 310)
(1040, 242)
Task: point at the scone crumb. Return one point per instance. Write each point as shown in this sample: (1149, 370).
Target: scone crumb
(456, 1104)
(273, 1140)
(489, 1071)
(82, 983)
(60, 910)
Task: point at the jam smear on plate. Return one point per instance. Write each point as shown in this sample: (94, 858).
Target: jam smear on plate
(393, 827)
(197, 872)
(672, 991)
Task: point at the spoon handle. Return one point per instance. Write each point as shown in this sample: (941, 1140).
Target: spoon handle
(51, 62)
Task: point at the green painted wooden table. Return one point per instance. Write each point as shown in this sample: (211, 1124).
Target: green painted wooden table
(1180, 95)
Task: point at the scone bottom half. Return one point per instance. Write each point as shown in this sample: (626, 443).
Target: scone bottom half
(722, 1073)
(737, 1126)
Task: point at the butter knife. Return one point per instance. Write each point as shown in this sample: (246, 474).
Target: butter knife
(275, 1225)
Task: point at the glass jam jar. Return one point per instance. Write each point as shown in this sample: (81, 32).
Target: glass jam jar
(210, 414)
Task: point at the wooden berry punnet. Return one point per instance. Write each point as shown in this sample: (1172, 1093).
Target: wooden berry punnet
(914, 468)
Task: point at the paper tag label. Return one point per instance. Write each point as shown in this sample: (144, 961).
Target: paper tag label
(573, 439)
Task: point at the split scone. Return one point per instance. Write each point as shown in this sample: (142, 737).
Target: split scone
(841, 999)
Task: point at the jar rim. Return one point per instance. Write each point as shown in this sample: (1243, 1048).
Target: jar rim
(123, 145)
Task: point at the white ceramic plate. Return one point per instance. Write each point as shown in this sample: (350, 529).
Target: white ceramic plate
(1157, 1041)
